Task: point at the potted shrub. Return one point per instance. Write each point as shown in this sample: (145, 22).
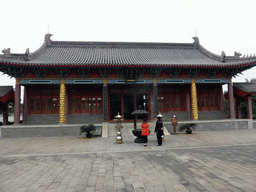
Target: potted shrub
(88, 129)
(188, 127)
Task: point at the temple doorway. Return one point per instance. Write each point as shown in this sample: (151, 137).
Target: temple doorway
(125, 102)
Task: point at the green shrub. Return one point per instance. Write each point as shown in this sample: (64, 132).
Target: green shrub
(87, 128)
(187, 126)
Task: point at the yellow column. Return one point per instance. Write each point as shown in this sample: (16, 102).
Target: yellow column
(194, 100)
(62, 110)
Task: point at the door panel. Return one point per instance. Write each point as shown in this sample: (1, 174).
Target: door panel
(128, 106)
(171, 102)
(43, 105)
(45, 109)
(115, 105)
(55, 105)
(141, 100)
(127, 98)
(85, 104)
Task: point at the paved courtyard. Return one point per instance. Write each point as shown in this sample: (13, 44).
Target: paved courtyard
(203, 161)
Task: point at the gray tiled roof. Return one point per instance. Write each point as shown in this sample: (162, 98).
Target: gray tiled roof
(246, 87)
(124, 54)
(4, 90)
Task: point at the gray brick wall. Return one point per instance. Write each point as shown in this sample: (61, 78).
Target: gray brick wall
(53, 119)
(254, 125)
(202, 115)
(45, 130)
(209, 115)
(213, 125)
(84, 118)
(39, 131)
(181, 116)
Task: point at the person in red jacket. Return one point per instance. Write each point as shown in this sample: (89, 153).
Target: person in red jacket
(145, 132)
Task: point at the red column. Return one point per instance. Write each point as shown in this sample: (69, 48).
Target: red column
(105, 101)
(5, 114)
(249, 108)
(231, 100)
(239, 116)
(188, 105)
(222, 102)
(17, 102)
(25, 105)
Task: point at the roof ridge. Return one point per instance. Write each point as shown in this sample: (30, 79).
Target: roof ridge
(120, 44)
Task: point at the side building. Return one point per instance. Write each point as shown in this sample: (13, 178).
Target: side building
(79, 82)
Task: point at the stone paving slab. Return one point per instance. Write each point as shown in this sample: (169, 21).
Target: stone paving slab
(202, 161)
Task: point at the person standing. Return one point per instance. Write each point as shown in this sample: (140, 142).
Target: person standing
(159, 130)
(145, 132)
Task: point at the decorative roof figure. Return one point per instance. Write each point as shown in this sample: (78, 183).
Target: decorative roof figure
(47, 38)
(7, 52)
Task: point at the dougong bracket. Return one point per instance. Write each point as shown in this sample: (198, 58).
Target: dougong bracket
(155, 72)
(17, 72)
(193, 72)
(231, 72)
(84, 72)
(40, 72)
(121, 72)
(62, 72)
(174, 72)
(105, 72)
(211, 72)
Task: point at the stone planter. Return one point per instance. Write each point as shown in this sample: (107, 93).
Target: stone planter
(188, 131)
(88, 135)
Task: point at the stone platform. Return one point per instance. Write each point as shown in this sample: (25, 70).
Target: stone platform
(108, 129)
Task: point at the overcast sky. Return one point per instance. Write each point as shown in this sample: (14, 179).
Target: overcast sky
(222, 25)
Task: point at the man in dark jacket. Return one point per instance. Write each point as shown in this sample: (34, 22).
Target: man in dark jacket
(159, 130)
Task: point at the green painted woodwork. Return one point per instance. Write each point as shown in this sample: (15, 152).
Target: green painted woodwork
(121, 72)
(193, 72)
(174, 72)
(40, 72)
(16, 72)
(84, 72)
(211, 72)
(62, 72)
(230, 72)
(155, 72)
(140, 72)
(105, 72)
